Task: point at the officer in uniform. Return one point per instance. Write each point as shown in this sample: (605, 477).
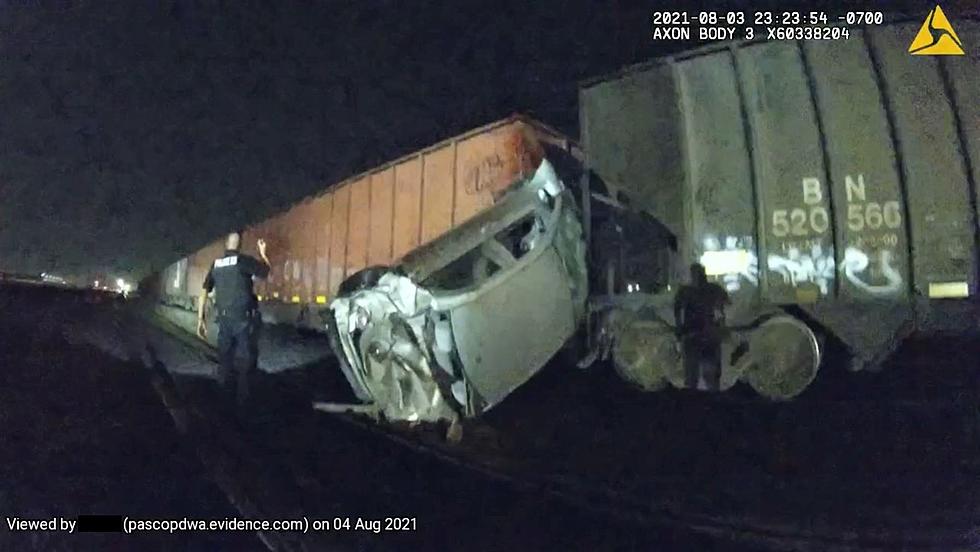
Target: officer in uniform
(236, 310)
(699, 310)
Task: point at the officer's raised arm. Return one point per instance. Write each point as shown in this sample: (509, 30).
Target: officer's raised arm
(263, 269)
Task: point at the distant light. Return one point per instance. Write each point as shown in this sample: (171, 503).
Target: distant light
(52, 278)
(96, 283)
(120, 282)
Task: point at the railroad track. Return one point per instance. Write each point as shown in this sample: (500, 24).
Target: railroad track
(945, 530)
(624, 505)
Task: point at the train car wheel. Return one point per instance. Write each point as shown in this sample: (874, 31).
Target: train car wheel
(784, 357)
(644, 352)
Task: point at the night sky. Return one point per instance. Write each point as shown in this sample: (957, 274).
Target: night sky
(133, 132)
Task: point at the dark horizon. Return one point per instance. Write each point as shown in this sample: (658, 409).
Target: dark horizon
(137, 132)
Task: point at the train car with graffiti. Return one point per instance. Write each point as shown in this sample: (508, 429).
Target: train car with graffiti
(830, 186)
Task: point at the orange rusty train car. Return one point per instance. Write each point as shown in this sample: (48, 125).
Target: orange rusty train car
(373, 218)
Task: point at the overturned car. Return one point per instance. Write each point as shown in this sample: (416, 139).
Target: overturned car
(463, 321)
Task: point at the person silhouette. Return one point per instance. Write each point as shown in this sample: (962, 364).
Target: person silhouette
(699, 312)
(237, 312)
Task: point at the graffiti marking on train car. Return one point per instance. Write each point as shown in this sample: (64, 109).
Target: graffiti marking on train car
(856, 262)
(815, 266)
(732, 258)
(482, 176)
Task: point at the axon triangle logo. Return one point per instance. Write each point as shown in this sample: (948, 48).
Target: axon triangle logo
(936, 37)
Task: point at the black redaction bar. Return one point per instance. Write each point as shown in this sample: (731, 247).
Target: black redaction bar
(100, 524)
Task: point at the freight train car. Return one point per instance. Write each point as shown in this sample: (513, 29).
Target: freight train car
(829, 186)
(374, 218)
(831, 180)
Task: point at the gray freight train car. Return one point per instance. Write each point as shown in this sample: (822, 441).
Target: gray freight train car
(832, 180)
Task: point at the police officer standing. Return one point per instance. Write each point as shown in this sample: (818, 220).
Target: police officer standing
(699, 310)
(236, 311)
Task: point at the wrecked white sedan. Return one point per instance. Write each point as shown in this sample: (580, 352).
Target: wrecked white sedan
(463, 321)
